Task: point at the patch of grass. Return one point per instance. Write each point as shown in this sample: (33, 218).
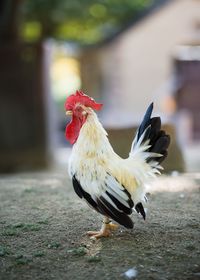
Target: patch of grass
(18, 256)
(38, 254)
(80, 251)
(22, 260)
(35, 207)
(43, 222)
(10, 232)
(4, 251)
(18, 225)
(190, 247)
(31, 227)
(29, 190)
(15, 229)
(177, 205)
(93, 259)
(53, 245)
(26, 227)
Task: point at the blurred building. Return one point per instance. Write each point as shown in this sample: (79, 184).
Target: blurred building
(134, 67)
(187, 91)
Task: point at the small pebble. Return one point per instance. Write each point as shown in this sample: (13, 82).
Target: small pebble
(130, 273)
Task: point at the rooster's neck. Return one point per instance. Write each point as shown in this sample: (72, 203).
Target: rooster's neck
(92, 138)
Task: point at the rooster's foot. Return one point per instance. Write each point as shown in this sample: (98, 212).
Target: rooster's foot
(99, 234)
(105, 231)
(112, 226)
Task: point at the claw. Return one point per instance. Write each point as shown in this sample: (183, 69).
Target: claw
(105, 230)
(99, 234)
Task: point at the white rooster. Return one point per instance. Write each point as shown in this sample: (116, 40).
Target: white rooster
(111, 185)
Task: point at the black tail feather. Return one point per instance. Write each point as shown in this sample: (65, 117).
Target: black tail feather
(146, 121)
(140, 209)
(158, 139)
(155, 128)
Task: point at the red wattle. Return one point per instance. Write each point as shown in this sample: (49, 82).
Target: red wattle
(73, 129)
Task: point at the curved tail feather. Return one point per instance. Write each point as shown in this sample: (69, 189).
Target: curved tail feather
(151, 140)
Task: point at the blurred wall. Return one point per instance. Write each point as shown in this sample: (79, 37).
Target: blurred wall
(128, 71)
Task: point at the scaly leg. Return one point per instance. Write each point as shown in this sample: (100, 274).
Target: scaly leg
(105, 230)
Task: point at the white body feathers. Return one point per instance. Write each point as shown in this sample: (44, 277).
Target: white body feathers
(98, 168)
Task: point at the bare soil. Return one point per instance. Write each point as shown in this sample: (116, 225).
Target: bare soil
(43, 227)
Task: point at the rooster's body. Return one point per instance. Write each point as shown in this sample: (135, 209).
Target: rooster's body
(111, 185)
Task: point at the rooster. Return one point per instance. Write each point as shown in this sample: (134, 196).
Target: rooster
(111, 185)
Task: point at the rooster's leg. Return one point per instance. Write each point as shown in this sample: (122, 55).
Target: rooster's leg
(105, 230)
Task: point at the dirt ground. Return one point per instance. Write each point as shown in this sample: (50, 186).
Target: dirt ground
(43, 225)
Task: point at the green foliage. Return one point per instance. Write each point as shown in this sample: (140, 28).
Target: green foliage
(84, 21)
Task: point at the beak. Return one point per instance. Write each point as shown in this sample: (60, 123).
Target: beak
(69, 113)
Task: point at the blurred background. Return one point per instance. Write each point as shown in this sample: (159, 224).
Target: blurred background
(124, 53)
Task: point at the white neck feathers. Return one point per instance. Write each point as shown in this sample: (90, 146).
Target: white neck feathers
(92, 138)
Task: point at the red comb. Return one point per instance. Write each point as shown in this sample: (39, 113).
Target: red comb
(80, 97)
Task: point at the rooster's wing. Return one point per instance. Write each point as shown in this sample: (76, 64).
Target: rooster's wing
(110, 198)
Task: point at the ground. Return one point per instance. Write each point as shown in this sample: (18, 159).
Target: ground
(43, 227)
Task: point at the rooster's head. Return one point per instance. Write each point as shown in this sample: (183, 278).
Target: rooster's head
(79, 106)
